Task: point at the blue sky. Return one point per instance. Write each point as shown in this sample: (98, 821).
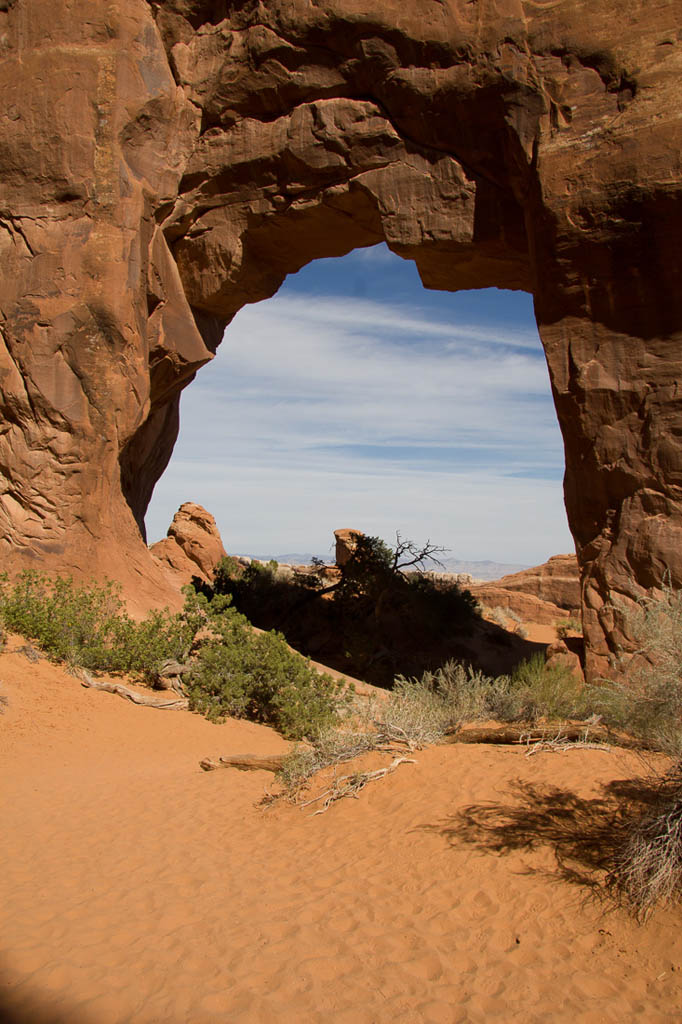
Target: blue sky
(357, 398)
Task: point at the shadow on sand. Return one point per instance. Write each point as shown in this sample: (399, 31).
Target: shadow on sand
(21, 1005)
(586, 835)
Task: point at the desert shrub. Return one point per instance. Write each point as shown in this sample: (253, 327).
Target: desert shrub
(418, 710)
(329, 746)
(241, 673)
(499, 616)
(231, 577)
(540, 690)
(646, 699)
(428, 707)
(226, 574)
(87, 625)
(440, 701)
(647, 868)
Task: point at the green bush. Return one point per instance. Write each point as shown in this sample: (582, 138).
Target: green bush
(87, 625)
(237, 671)
(241, 673)
(538, 690)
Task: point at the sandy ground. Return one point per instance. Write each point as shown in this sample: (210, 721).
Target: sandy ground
(135, 887)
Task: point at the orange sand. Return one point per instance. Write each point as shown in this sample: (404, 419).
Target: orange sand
(134, 887)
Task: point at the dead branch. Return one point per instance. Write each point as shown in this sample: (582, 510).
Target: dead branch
(528, 734)
(559, 744)
(131, 695)
(245, 762)
(169, 676)
(352, 785)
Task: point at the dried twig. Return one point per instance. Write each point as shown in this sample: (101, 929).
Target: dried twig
(352, 785)
(559, 743)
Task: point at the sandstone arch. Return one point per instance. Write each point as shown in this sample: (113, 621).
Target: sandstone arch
(163, 163)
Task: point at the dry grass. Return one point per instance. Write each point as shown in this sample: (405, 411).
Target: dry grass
(421, 712)
(646, 700)
(647, 869)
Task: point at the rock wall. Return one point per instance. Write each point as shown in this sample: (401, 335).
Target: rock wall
(556, 581)
(161, 164)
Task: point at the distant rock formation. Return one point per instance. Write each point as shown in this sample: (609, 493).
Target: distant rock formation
(346, 545)
(556, 582)
(193, 546)
(528, 607)
(163, 164)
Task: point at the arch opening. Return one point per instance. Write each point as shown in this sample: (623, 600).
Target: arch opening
(358, 398)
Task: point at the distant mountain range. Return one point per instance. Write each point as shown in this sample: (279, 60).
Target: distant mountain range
(485, 570)
(482, 570)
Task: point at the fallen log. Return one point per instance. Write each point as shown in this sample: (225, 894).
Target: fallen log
(131, 695)
(245, 762)
(526, 734)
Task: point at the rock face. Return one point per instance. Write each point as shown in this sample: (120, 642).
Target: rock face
(193, 546)
(556, 581)
(161, 164)
(528, 607)
(346, 543)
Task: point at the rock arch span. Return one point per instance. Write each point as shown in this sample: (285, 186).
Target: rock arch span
(162, 163)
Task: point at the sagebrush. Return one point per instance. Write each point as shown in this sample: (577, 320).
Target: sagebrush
(646, 697)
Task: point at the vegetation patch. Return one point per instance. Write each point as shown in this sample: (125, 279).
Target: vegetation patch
(646, 697)
(647, 868)
(244, 674)
(380, 617)
(88, 626)
(234, 670)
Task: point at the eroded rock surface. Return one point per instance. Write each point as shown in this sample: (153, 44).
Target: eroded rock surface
(556, 581)
(193, 546)
(161, 164)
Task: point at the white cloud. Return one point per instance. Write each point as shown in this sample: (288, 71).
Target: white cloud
(324, 412)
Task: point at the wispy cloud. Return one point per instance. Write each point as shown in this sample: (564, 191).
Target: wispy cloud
(320, 412)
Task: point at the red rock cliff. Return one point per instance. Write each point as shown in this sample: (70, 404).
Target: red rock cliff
(163, 163)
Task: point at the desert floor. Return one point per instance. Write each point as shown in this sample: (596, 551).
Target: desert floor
(135, 887)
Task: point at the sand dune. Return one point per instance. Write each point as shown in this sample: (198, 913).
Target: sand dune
(134, 887)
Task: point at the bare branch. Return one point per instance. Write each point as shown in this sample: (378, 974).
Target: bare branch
(418, 555)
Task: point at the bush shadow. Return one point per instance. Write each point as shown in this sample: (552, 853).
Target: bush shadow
(586, 835)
